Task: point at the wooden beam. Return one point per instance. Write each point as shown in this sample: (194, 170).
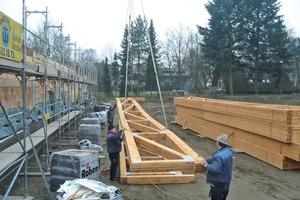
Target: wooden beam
(160, 179)
(123, 167)
(129, 108)
(145, 152)
(152, 158)
(141, 127)
(131, 148)
(163, 165)
(157, 148)
(153, 136)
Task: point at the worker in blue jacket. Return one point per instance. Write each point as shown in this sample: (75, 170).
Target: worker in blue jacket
(219, 170)
(113, 142)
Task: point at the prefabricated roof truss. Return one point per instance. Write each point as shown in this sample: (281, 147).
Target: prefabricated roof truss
(151, 153)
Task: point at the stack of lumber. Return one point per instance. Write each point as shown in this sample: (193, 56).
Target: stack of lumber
(151, 153)
(268, 132)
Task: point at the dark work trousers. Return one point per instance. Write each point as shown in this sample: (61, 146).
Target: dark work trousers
(219, 192)
(110, 121)
(114, 162)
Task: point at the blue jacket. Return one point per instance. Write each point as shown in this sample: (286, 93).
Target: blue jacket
(113, 142)
(219, 167)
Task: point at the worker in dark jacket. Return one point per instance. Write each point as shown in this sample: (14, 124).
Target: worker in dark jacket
(111, 114)
(219, 170)
(113, 141)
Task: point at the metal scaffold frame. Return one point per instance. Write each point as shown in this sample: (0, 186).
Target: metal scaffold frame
(57, 123)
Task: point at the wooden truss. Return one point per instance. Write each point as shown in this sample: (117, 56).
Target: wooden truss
(151, 153)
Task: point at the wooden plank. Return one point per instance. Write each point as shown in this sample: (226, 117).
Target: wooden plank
(135, 98)
(122, 166)
(133, 116)
(7, 158)
(295, 117)
(160, 179)
(163, 165)
(176, 143)
(252, 144)
(291, 151)
(152, 158)
(278, 113)
(157, 148)
(147, 116)
(296, 135)
(145, 152)
(141, 127)
(281, 132)
(131, 148)
(258, 126)
(12, 153)
(212, 130)
(128, 108)
(153, 135)
(154, 173)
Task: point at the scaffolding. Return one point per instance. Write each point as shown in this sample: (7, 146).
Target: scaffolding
(44, 73)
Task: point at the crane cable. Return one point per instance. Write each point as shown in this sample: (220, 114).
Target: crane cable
(154, 65)
(129, 7)
(152, 56)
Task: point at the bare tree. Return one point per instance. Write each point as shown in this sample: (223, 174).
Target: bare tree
(200, 70)
(56, 42)
(176, 47)
(88, 59)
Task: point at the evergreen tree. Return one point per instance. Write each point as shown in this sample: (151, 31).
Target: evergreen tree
(249, 36)
(106, 79)
(139, 51)
(150, 84)
(220, 39)
(123, 56)
(266, 46)
(115, 72)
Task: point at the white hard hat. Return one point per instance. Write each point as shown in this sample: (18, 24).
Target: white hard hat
(222, 138)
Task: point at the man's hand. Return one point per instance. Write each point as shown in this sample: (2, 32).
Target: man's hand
(203, 162)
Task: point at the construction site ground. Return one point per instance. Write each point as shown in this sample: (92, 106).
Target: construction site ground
(252, 178)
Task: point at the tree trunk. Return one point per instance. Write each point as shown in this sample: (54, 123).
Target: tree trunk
(230, 79)
(255, 81)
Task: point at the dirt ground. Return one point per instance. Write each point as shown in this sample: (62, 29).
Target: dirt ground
(252, 178)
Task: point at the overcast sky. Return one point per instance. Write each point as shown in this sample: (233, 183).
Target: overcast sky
(99, 24)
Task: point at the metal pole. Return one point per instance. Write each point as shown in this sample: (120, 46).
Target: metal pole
(59, 92)
(24, 18)
(69, 134)
(46, 87)
(15, 177)
(69, 103)
(75, 88)
(25, 15)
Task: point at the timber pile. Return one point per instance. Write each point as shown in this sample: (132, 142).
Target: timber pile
(268, 132)
(151, 153)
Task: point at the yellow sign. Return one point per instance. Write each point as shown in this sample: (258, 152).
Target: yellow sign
(47, 116)
(10, 38)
